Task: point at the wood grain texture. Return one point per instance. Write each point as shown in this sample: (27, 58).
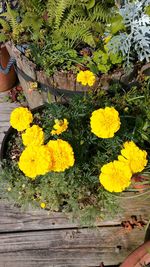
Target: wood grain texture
(71, 247)
(5, 111)
(13, 219)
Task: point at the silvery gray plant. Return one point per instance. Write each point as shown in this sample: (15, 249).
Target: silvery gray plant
(134, 43)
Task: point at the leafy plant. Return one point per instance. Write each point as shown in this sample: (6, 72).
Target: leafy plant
(105, 60)
(77, 189)
(10, 24)
(78, 21)
(134, 42)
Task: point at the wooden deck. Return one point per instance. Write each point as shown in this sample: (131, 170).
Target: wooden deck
(39, 239)
(5, 110)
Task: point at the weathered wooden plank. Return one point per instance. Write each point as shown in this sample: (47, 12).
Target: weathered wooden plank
(6, 111)
(1, 137)
(4, 124)
(70, 248)
(4, 117)
(3, 129)
(7, 106)
(13, 219)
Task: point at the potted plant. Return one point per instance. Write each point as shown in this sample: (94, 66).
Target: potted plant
(68, 38)
(77, 157)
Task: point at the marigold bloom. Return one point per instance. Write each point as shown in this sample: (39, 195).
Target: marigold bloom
(105, 122)
(21, 118)
(132, 155)
(60, 126)
(43, 205)
(62, 155)
(35, 160)
(115, 176)
(33, 136)
(107, 39)
(86, 78)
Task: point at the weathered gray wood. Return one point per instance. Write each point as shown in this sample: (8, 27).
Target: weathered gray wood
(5, 111)
(13, 219)
(3, 129)
(1, 137)
(4, 123)
(4, 106)
(74, 247)
(4, 117)
(34, 99)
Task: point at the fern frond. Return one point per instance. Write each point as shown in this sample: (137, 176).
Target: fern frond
(12, 16)
(3, 37)
(73, 14)
(100, 12)
(5, 25)
(59, 12)
(33, 21)
(34, 6)
(51, 5)
(79, 30)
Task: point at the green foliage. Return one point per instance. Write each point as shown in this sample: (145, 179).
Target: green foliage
(132, 39)
(10, 24)
(34, 6)
(105, 60)
(147, 10)
(117, 24)
(58, 30)
(77, 20)
(77, 190)
(55, 56)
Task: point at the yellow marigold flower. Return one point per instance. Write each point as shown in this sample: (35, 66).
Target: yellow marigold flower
(107, 39)
(115, 176)
(62, 155)
(105, 122)
(33, 136)
(9, 189)
(60, 126)
(132, 155)
(43, 205)
(21, 118)
(86, 77)
(33, 85)
(35, 160)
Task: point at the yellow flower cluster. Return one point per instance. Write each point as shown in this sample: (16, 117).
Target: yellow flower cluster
(86, 78)
(116, 176)
(105, 122)
(133, 156)
(35, 160)
(38, 159)
(33, 136)
(56, 156)
(62, 155)
(21, 118)
(60, 126)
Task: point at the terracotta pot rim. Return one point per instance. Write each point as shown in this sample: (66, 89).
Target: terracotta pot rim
(138, 256)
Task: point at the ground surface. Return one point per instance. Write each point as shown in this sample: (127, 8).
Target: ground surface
(39, 239)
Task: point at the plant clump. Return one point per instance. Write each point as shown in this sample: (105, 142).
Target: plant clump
(60, 162)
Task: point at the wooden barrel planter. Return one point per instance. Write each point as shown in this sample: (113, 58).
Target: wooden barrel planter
(61, 84)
